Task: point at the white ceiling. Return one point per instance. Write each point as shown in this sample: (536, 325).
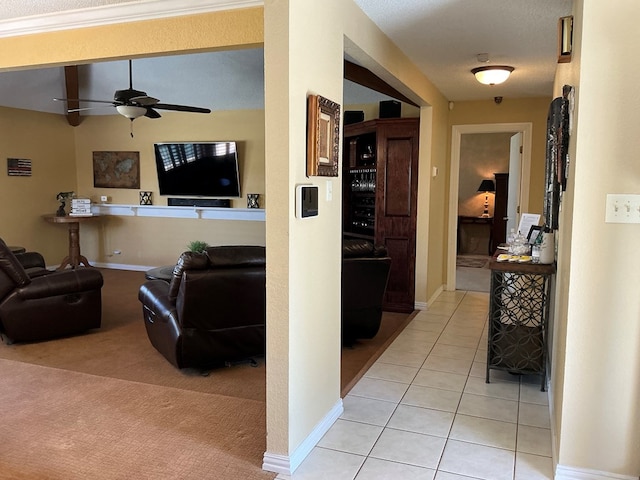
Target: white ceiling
(442, 37)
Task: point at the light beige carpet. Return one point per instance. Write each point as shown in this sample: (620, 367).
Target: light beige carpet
(121, 349)
(107, 405)
(64, 425)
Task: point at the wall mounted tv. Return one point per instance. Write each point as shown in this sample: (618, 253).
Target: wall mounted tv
(205, 169)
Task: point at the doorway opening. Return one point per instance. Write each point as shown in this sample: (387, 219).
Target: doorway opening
(518, 182)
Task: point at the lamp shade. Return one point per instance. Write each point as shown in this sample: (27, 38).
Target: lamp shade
(487, 186)
(492, 75)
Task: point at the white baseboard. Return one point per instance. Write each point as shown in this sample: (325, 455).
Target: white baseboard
(435, 296)
(420, 305)
(287, 464)
(572, 473)
(122, 266)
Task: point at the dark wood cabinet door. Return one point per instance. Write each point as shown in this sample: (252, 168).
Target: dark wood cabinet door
(396, 209)
(395, 146)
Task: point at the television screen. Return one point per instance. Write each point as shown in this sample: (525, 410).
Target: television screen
(206, 169)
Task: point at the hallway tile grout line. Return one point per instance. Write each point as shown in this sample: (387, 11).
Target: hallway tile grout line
(423, 410)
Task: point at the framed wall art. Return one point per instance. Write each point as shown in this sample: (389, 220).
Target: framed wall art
(323, 137)
(565, 39)
(18, 167)
(557, 155)
(116, 169)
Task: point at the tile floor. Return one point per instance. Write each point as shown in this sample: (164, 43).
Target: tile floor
(424, 412)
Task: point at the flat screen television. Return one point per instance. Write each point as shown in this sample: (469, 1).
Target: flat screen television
(204, 169)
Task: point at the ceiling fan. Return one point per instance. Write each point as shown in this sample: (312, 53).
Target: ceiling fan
(132, 103)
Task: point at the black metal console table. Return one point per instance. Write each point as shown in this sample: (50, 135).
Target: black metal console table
(518, 317)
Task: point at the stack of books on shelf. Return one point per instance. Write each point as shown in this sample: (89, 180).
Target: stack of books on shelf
(80, 207)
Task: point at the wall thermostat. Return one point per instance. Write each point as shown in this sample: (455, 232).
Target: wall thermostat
(306, 201)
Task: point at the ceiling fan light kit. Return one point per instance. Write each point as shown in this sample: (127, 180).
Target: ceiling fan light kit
(492, 74)
(131, 111)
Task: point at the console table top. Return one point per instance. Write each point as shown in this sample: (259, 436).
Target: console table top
(53, 218)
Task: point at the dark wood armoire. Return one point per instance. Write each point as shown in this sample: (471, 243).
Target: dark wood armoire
(380, 182)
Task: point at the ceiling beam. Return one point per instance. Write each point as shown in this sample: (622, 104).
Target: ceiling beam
(366, 78)
(71, 83)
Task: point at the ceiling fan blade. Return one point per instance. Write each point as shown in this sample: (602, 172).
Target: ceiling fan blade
(84, 100)
(144, 101)
(181, 108)
(151, 113)
(71, 110)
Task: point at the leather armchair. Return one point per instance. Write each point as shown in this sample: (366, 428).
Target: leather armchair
(33, 264)
(365, 273)
(48, 304)
(213, 309)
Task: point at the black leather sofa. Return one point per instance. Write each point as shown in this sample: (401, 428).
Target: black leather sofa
(39, 304)
(365, 273)
(213, 309)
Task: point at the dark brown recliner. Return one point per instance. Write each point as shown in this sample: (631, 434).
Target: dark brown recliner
(365, 272)
(39, 304)
(213, 309)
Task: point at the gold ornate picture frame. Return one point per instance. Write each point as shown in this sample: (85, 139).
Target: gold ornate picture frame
(565, 39)
(323, 137)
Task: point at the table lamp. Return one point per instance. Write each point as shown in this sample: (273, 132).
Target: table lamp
(486, 186)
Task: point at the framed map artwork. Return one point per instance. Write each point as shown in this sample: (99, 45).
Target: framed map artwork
(116, 169)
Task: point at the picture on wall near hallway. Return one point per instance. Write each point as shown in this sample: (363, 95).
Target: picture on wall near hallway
(323, 137)
(557, 156)
(116, 169)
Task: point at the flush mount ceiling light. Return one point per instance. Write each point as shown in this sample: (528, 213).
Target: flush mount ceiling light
(492, 75)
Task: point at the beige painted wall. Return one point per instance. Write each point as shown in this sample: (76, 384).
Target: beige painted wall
(533, 110)
(170, 236)
(596, 358)
(62, 161)
(313, 63)
(303, 309)
(370, 48)
(47, 141)
(233, 29)
(481, 155)
(303, 255)
(597, 371)
(190, 33)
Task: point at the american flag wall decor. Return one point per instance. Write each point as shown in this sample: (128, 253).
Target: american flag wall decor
(18, 167)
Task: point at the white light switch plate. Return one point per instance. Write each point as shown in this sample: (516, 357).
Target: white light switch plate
(622, 208)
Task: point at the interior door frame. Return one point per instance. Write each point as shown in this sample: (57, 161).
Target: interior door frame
(456, 134)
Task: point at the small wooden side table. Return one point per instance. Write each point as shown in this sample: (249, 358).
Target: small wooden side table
(74, 259)
(465, 219)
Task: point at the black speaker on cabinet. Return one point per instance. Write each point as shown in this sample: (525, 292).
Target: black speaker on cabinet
(353, 116)
(199, 202)
(390, 109)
